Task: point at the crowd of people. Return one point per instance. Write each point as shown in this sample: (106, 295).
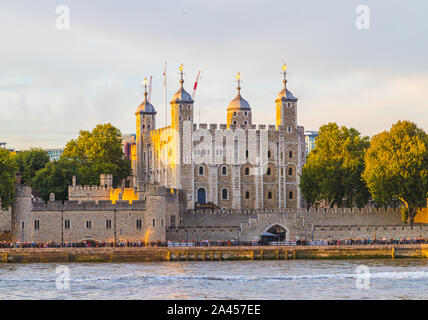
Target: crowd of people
(206, 243)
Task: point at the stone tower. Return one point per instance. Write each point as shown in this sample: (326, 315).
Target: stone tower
(239, 111)
(286, 108)
(182, 127)
(21, 214)
(146, 121)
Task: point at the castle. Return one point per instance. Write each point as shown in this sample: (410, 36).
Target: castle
(247, 175)
(235, 165)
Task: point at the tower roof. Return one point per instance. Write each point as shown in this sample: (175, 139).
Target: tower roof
(239, 103)
(146, 106)
(181, 94)
(285, 93)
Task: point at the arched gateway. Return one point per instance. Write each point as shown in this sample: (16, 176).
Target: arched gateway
(276, 232)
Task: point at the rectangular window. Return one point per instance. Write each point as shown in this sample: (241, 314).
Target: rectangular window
(67, 224)
(154, 222)
(108, 224)
(88, 224)
(139, 224)
(36, 224)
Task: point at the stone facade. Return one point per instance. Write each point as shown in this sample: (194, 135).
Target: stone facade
(236, 165)
(74, 221)
(163, 216)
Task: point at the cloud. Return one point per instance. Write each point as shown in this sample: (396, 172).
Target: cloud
(55, 83)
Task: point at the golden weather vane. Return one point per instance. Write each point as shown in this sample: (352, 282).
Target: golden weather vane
(145, 86)
(238, 79)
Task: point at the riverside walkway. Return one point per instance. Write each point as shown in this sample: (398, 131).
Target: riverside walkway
(212, 253)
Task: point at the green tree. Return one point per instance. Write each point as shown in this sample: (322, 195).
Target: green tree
(310, 185)
(7, 178)
(55, 177)
(29, 162)
(397, 167)
(97, 152)
(333, 169)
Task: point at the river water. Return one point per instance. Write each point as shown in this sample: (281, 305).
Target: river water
(292, 279)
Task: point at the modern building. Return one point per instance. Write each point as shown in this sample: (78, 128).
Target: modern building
(54, 154)
(310, 138)
(3, 146)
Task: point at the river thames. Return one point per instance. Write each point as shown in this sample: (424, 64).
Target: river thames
(295, 279)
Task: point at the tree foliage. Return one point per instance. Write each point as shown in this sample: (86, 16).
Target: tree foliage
(7, 178)
(333, 169)
(29, 162)
(397, 167)
(98, 152)
(55, 177)
(91, 154)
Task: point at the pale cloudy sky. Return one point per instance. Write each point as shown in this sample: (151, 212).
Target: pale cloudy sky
(55, 82)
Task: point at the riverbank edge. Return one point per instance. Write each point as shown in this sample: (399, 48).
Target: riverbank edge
(160, 254)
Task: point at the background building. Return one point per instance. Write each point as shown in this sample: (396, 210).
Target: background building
(310, 137)
(54, 154)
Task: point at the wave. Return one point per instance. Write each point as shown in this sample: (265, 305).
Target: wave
(240, 278)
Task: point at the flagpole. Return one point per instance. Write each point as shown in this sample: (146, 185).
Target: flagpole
(165, 93)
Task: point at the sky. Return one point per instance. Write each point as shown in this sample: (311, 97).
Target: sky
(55, 82)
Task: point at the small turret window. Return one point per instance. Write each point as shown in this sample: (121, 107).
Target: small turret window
(247, 195)
(269, 172)
(290, 171)
(269, 154)
(247, 171)
(224, 170)
(224, 194)
(234, 113)
(246, 113)
(234, 122)
(290, 195)
(290, 154)
(269, 195)
(201, 170)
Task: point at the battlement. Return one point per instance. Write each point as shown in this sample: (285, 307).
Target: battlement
(89, 188)
(23, 191)
(89, 206)
(214, 126)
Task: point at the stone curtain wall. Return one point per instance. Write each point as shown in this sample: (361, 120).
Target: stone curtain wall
(5, 220)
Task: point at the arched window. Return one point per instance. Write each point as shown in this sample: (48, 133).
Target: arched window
(268, 172)
(269, 195)
(247, 171)
(224, 170)
(290, 195)
(290, 154)
(201, 170)
(290, 171)
(234, 122)
(247, 195)
(224, 194)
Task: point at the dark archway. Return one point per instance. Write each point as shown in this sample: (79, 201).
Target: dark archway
(279, 232)
(202, 196)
